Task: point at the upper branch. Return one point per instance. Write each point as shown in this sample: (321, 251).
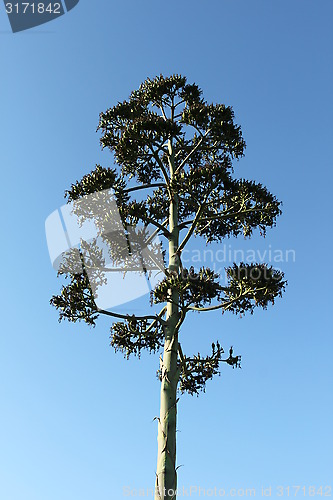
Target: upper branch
(233, 207)
(156, 318)
(144, 186)
(250, 286)
(193, 226)
(160, 227)
(194, 149)
(162, 167)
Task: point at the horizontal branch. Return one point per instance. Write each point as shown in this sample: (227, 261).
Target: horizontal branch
(212, 308)
(144, 186)
(184, 224)
(161, 228)
(155, 233)
(224, 305)
(131, 317)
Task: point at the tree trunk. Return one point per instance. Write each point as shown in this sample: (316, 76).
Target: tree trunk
(166, 474)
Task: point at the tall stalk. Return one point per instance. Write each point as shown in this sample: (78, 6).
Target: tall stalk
(195, 186)
(166, 474)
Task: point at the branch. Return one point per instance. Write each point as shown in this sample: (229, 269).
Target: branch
(152, 257)
(224, 216)
(192, 151)
(128, 317)
(163, 112)
(114, 269)
(179, 103)
(235, 214)
(155, 233)
(144, 186)
(160, 314)
(160, 164)
(193, 226)
(233, 361)
(158, 225)
(182, 359)
(228, 303)
(224, 305)
(181, 146)
(181, 319)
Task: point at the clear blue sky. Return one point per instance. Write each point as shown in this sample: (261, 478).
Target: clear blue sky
(76, 418)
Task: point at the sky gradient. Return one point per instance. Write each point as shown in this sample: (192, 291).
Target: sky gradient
(76, 419)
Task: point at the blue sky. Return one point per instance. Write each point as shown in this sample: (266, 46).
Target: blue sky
(76, 418)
